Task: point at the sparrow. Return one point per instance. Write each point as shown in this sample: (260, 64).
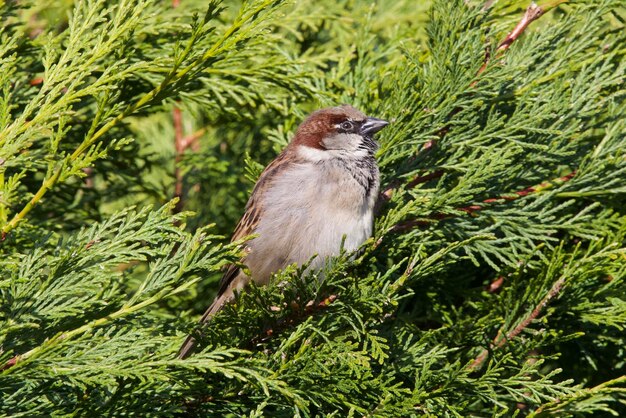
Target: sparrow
(323, 186)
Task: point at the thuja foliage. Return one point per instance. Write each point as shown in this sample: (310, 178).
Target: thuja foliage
(131, 133)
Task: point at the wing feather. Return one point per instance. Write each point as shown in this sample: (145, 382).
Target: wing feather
(233, 276)
(250, 219)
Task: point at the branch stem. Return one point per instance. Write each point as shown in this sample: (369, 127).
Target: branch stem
(501, 338)
(470, 209)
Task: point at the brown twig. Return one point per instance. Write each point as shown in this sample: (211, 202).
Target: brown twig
(516, 195)
(495, 285)
(488, 4)
(533, 12)
(425, 178)
(88, 177)
(388, 192)
(471, 209)
(501, 339)
(182, 143)
(310, 308)
(191, 140)
(10, 363)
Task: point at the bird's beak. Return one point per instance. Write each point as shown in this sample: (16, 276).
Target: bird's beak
(372, 125)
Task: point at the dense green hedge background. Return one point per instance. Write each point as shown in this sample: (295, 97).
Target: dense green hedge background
(494, 284)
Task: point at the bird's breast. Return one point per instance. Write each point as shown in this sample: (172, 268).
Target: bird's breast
(308, 211)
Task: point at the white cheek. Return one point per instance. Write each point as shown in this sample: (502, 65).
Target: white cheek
(343, 146)
(346, 142)
(313, 154)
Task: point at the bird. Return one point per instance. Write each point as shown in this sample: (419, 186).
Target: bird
(318, 192)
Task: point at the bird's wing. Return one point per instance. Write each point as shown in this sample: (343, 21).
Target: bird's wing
(250, 219)
(234, 277)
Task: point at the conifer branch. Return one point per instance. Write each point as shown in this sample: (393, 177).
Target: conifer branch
(174, 75)
(470, 209)
(501, 339)
(607, 387)
(310, 308)
(389, 339)
(130, 307)
(126, 310)
(533, 12)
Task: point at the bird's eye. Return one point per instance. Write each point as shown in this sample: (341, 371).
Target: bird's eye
(347, 126)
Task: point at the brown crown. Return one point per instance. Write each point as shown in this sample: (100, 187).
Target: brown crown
(322, 123)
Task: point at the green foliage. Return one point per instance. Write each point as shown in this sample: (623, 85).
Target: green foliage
(494, 284)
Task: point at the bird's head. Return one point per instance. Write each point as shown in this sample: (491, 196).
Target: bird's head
(341, 131)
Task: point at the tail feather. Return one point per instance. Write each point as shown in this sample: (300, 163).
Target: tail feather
(190, 343)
